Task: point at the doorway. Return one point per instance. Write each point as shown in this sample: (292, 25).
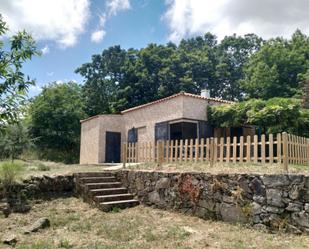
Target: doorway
(112, 147)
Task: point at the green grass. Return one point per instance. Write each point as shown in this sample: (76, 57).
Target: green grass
(10, 172)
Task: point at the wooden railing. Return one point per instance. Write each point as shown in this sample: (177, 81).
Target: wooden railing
(281, 148)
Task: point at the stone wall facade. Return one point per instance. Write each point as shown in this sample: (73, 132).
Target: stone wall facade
(270, 202)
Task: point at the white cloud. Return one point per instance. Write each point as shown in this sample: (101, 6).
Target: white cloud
(58, 20)
(59, 82)
(112, 7)
(97, 36)
(266, 18)
(45, 50)
(50, 74)
(35, 90)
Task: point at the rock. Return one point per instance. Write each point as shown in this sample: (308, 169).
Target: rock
(257, 187)
(259, 199)
(256, 219)
(39, 224)
(208, 204)
(294, 192)
(294, 207)
(274, 210)
(10, 239)
(306, 207)
(274, 197)
(232, 213)
(163, 183)
(301, 219)
(5, 208)
(292, 229)
(275, 181)
(256, 208)
(260, 227)
(154, 197)
(228, 199)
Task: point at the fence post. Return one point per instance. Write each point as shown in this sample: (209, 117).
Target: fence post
(211, 154)
(285, 151)
(124, 154)
(160, 152)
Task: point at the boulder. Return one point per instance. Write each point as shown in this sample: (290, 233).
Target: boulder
(275, 181)
(232, 213)
(37, 225)
(301, 219)
(294, 207)
(163, 183)
(9, 239)
(274, 198)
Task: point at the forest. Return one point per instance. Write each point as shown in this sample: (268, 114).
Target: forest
(267, 79)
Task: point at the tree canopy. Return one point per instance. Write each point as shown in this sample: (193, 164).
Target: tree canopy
(55, 116)
(13, 82)
(272, 116)
(118, 79)
(278, 69)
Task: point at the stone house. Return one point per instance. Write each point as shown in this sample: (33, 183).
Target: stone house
(180, 116)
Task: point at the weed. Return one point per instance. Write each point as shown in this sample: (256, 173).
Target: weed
(64, 243)
(9, 173)
(116, 210)
(247, 209)
(177, 232)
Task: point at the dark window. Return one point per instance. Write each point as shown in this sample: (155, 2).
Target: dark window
(161, 131)
(132, 135)
(183, 130)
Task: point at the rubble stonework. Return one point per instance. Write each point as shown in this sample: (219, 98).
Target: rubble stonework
(274, 202)
(16, 197)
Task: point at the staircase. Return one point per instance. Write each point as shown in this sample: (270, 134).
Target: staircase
(102, 190)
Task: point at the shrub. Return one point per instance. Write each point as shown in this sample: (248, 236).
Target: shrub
(9, 173)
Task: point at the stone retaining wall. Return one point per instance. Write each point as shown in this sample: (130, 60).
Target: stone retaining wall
(15, 198)
(272, 202)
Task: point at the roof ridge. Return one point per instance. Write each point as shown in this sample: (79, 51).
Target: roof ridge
(181, 93)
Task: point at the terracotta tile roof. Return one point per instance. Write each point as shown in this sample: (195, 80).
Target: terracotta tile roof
(176, 95)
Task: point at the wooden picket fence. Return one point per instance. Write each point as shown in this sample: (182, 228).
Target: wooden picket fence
(281, 148)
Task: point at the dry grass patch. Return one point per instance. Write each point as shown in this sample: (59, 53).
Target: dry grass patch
(76, 225)
(221, 168)
(39, 168)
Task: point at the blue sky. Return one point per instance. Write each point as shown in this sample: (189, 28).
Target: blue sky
(70, 31)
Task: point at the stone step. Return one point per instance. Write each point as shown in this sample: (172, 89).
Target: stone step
(108, 191)
(108, 206)
(103, 185)
(98, 179)
(115, 197)
(94, 174)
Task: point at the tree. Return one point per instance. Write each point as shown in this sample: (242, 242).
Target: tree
(272, 116)
(278, 68)
(119, 79)
(55, 116)
(233, 53)
(15, 140)
(13, 83)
